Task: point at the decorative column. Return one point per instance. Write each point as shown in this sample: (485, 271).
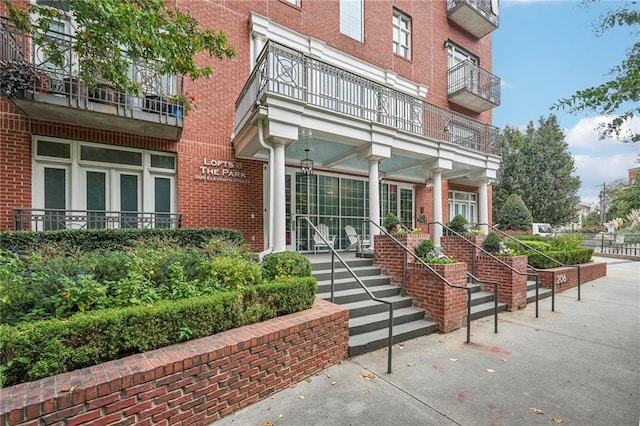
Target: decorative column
(374, 200)
(437, 206)
(279, 210)
(483, 206)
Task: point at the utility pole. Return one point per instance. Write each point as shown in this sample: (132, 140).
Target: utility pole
(603, 197)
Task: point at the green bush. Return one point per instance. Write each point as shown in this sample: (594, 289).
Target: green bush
(566, 257)
(566, 242)
(41, 349)
(459, 224)
(492, 243)
(284, 265)
(113, 239)
(515, 214)
(391, 222)
(425, 249)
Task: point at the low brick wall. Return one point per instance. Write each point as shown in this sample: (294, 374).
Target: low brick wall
(512, 287)
(194, 382)
(443, 304)
(388, 255)
(567, 277)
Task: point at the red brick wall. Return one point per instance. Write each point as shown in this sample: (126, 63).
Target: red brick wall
(388, 255)
(512, 287)
(195, 382)
(442, 304)
(567, 277)
(455, 246)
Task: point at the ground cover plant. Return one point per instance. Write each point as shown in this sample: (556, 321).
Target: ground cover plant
(63, 308)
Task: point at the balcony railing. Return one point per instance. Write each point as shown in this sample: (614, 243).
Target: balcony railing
(473, 87)
(479, 17)
(54, 87)
(56, 219)
(286, 72)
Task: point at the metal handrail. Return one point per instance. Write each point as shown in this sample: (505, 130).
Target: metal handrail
(537, 277)
(426, 265)
(553, 286)
(495, 299)
(335, 254)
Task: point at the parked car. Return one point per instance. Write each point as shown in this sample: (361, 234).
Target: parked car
(542, 229)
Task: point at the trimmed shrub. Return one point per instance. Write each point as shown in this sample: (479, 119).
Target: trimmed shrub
(459, 224)
(391, 222)
(41, 349)
(285, 264)
(515, 214)
(566, 257)
(424, 249)
(492, 243)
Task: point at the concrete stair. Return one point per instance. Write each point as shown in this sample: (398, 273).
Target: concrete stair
(482, 303)
(531, 292)
(368, 319)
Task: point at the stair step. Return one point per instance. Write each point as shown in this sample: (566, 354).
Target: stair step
(367, 307)
(324, 286)
(543, 293)
(339, 273)
(367, 342)
(367, 323)
(481, 297)
(356, 294)
(486, 309)
(353, 263)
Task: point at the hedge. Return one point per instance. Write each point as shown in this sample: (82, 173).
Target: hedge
(113, 239)
(44, 348)
(566, 257)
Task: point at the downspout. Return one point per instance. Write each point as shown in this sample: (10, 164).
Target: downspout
(271, 201)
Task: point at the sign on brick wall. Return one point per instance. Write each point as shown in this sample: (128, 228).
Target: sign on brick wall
(221, 171)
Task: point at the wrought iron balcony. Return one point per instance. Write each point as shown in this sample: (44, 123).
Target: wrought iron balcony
(289, 73)
(46, 91)
(479, 17)
(473, 87)
(56, 219)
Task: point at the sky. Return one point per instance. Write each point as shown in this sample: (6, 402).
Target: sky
(546, 50)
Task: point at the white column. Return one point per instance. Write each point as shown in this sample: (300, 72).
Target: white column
(437, 207)
(374, 200)
(483, 206)
(258, 44)
(279, 210)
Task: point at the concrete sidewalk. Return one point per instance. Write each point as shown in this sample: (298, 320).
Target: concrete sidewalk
(579, 365)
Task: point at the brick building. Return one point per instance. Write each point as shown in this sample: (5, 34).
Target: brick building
(398, 93)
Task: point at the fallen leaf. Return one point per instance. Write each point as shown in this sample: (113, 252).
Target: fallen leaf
(409, 364)
(333, 383)
(557, 420)
(280, 416)
(308, 380)
(267, 424)
(69, 389)
(436, 367)
(504, 360)
(368, 376)
(489, 370)
(453, 359)
(301, 397)
(537, 410)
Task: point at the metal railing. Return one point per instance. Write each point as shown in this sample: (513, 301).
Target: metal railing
(406, 250)
(557, 262)
(335, 254)
(286, 72)
(63, 80)
(58, 219)
(496, 259)
(469, 76)
(482, 6)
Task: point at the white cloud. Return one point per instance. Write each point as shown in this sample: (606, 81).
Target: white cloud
(596, 170)
(585, 134)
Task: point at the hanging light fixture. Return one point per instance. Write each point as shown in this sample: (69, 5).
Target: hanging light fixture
(306, 164)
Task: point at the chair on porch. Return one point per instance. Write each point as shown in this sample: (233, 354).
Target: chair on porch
(318, 242)
(355, 240)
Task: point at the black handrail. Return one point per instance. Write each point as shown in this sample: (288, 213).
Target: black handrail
(495, 298)
(553, 287)
(335, 254)
(426, 265)
(537, 277)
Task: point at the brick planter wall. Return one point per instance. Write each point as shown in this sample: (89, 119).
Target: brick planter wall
(388, 255)
(512, 287)
(452, 245)
(567, 277)
(193, 382)
(443, 304)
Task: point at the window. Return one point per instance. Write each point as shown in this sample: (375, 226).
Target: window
(103, 186)
(293, 2)
(351, 18)
(401, 34)
(463, 203)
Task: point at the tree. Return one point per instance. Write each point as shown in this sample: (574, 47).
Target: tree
(109, 34)
(515, 214)
(624, 199)
(537, 166)
(611, 98)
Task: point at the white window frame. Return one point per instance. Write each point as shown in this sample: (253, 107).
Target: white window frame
(469, 206)
(352, 19)
(401, 34)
